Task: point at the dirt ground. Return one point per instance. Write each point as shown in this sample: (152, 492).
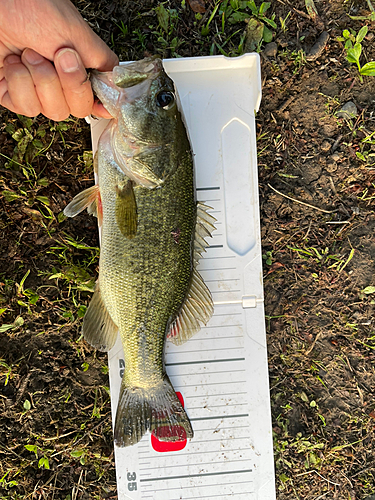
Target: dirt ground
(317, 189)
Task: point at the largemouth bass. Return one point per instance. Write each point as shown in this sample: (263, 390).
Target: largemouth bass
(152, 236)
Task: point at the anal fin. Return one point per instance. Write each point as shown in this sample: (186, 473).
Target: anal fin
(98, 328)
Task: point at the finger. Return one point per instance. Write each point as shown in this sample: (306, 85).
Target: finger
(99, 110)
(20, 95)
(104, 59)
(47, 85)
(6, 51)
(74, 82)
(94, 52)
(4, 90)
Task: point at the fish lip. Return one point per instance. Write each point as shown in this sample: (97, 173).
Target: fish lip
(105, 90)
(124, 83)
(150, 66)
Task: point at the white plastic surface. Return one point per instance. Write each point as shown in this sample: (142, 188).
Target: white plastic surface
(221, 372)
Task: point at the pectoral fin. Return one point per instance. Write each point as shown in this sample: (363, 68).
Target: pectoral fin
(90, 199)
(126, 210)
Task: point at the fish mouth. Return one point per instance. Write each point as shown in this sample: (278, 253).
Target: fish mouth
(115, 89)
(125, 83)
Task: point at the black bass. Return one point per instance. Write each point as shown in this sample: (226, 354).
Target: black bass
(152, 236)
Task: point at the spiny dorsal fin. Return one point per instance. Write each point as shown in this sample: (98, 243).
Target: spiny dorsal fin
(198, 306)
(98, 328)
(126, 210)
(84, 199)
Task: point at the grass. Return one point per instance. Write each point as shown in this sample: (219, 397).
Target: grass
(318, 304)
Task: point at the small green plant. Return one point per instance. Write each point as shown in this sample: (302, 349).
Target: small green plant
(235, 11)
(205, 30)
(4, 483)
(283, 22)
(140, 37)
(27, 405)
(367, 147)
(29, 141)
(77, 275)
(79, 454)
(324, 257)
(85, 366)
(17, 323)
(6, 370)
(43, 461)
(167, 20)
(353, 49)
(27, 293)
(268, 258)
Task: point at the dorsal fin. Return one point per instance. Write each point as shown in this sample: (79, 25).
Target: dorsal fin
(198, 306)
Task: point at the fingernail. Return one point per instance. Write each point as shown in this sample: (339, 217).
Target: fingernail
(68, 61)
(32, 57)
(12, 59)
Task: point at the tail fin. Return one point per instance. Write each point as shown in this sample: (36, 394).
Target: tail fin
(157, 409)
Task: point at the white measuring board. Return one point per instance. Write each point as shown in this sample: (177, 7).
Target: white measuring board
(221, 373)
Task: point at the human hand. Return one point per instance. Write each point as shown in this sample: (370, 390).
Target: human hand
(45, 46)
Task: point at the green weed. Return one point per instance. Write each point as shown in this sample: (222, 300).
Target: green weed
(13, 326)
(167, 20)
(205, 30)
(324, 257)
(353, 47)
(6, 370)
(77, 275)
(268, 258)
(31, 296)
(367, 149)
(43, 462)
(81, 454)
(258, 27)
(283, 22)
(5, 483)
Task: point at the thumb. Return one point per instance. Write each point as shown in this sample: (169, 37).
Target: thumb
(94, 53)
(74, 82)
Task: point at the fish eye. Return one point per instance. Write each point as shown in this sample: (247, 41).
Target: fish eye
(165, 99)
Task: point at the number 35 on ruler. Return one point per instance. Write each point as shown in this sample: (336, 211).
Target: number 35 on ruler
(131, 477)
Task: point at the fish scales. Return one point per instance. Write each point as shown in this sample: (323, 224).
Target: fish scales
(152, 236)
(145, 282)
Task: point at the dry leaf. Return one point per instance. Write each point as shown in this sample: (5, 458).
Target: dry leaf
(274, 267)
(311, 9)
(197, 6)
